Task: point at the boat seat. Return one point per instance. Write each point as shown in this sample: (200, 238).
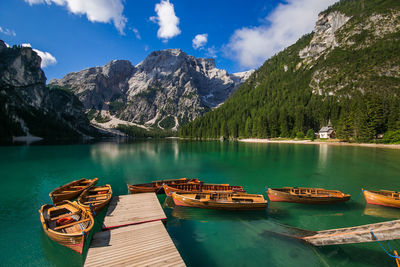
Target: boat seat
(63, 216)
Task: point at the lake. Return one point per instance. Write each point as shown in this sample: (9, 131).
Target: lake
(205, 237)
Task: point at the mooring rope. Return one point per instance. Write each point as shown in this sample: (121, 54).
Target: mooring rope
(359, 196)
(264, 190)
(391, 255)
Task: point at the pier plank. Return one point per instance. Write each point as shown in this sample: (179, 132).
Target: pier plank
(135, 235)
(133, 209)
(146, 244)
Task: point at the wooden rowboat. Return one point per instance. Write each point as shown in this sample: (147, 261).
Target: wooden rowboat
(95, 198)
(219, 200)
(71, 190)
(383, 198)
(306, 195)
(198, 188)
(67, 223)
(156, 186)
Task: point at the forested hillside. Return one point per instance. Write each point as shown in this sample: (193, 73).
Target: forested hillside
(347, 70)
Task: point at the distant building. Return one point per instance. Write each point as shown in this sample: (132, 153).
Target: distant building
(327, 132)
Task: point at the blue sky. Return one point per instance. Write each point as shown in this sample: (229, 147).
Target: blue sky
(78, 34)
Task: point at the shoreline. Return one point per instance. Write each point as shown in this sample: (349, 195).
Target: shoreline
(308, 142)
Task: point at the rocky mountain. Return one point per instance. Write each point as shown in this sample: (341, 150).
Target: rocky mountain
(28, 108)
(166, 90)
(347, 70)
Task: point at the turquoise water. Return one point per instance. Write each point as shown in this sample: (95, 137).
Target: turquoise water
(205, 237)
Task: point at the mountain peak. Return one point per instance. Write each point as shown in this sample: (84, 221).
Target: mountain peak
(166, 89)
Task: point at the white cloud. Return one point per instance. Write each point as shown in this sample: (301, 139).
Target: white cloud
(211, 52)
(137, 33)
(200, 40)
(7, 31)
(167, 20)
(251, 46)
(95, 10)
(47, 58)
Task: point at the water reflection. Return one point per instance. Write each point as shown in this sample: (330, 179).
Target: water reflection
(323, 156)
(382, 212)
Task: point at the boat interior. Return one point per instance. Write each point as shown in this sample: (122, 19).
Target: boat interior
(66, 220)
(320, 192)
(81, 184)
(226, 197)
(95, 195)
(388, 193)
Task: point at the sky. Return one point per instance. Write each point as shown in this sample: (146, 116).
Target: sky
(71, 35)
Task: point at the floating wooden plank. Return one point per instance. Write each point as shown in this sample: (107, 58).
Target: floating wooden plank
(365, 233)
(146, 244)
(133, 209)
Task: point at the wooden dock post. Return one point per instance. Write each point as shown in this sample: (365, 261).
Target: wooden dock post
(135, 235)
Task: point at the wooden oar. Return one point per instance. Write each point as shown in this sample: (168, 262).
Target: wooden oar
(71, 224)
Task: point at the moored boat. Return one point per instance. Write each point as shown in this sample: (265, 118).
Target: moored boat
(71, 190)
(200, 187)
(383, 198)
(95, 198)
(67, 223)
(157, 186)
(221, 200)
(306, 195)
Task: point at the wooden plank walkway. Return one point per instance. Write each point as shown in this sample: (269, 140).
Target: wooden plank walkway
(135, 235)
(133, 209)
(382, 231)
(146, 244)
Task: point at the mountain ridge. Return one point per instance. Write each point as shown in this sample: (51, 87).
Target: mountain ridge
(165, 90)
(28, 108)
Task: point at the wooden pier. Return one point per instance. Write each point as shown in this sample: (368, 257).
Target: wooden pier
(133, 209)
(134, 235)
(359, 234)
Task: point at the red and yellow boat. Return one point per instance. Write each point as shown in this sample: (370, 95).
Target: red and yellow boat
(71, 190)
(67, 223)
(306, 195)
(221, 200)
(200, 187)
(383, 198)
(157, 186)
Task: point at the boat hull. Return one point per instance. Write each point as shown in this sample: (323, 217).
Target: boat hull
(73, 238)
(278, 196)
(157, 186)
(58, 195)
(382, 200)
(75, 243)
(182, 200)
(95, 205)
